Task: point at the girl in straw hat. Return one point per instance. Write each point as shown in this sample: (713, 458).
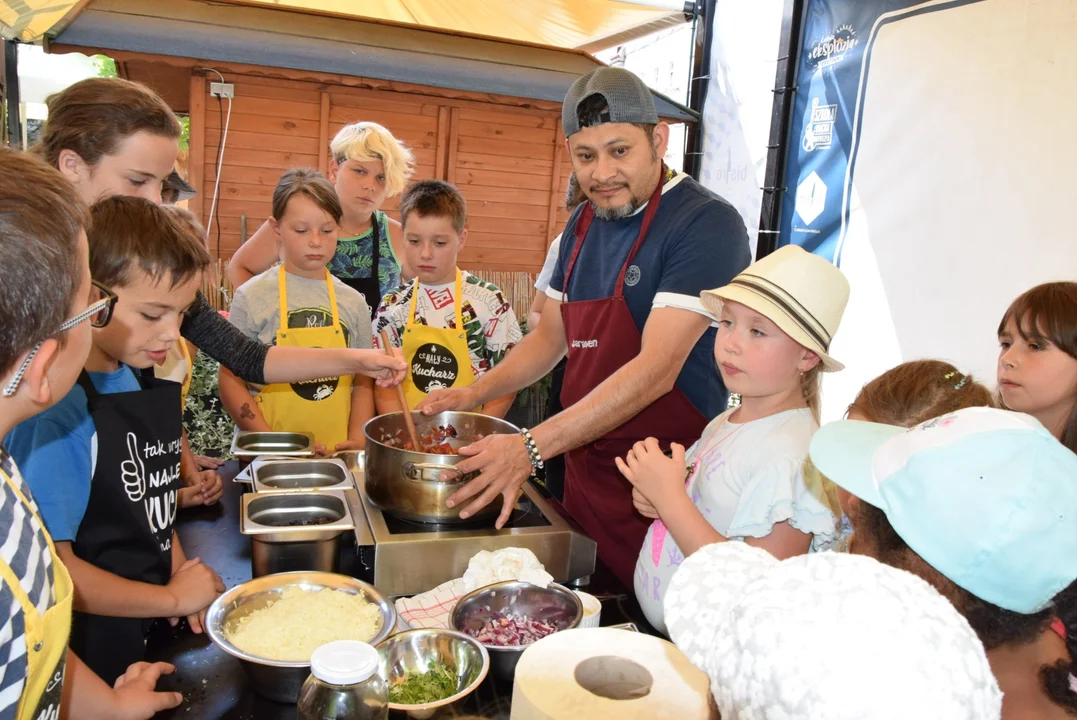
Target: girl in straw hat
(744, 479)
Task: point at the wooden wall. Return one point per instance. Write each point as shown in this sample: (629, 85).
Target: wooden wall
(508, 160)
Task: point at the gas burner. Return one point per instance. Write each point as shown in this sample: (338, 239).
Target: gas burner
(526, 514)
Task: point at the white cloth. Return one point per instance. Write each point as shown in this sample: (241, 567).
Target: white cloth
(750, 477)
(765, 632)
(432, 609)
(542, 282)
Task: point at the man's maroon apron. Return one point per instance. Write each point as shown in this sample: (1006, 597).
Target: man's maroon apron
(602, 337)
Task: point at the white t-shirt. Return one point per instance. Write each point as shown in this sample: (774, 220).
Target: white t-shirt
(542, 282)
(750, 477)
(491, 325)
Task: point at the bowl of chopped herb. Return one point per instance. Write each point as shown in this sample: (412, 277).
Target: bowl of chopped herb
(428, 669)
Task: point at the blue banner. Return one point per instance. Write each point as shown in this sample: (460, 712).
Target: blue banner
(831, 82)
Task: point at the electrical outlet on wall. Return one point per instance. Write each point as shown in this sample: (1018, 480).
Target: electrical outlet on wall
(222, 90)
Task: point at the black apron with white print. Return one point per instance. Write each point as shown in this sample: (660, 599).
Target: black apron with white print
(134, 494)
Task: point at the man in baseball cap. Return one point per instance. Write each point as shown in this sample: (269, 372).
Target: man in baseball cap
(623, 302)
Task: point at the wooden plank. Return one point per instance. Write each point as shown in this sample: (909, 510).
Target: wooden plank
(497, 163)
(497, 267)
(491, 178)
(269, 125)
(504, 256)
(257, 141)
(557, 196)
(521, 196)
(454, 144)
(515, 242)
(276, 108)
(442, 149)
(506, 226)
(246, 175)
(399, 124)
(252, 209)
(244, 191)
(323, 136)
(533, 119)
(247, 89)
(197, 142)
(386, 102)
(514, 211)
(263, 158)
(506, 148)
(493, 131)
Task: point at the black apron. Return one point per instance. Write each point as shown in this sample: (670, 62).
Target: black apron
(127, 529)
(370, 288)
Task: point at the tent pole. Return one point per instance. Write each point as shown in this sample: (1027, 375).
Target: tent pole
(698, 83)
(785, 86)
(11, 100)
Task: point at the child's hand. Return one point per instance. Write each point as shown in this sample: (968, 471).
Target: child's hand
(654, 475)
(194, 587)
(319, 450)
(206, 488)
(351, 445)
(387, 371)
(205, 462)
(135, 694)
(643, 505)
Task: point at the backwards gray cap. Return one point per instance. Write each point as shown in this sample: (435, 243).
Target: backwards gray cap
(628, 99)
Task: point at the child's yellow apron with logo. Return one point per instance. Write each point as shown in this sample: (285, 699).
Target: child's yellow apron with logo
(46, 635)
(320, 406)
(437, 357)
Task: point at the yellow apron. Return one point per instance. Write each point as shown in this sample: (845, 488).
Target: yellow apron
(437, 357)
(320, 406)
(46, 636)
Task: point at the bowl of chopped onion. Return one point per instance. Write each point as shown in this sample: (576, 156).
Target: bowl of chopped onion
(507, 617)
(428, 669)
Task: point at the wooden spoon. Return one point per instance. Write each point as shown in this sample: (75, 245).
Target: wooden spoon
(402, 398)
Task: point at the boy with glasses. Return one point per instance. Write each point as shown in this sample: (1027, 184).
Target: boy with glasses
(47, 304)
(104, 462)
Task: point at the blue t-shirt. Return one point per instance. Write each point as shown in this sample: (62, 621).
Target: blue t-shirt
(57, 453)
(697, 241)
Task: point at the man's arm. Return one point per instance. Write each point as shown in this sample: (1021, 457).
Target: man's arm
(240, 404)
(254, 256)
(668, 338)
(499, 406)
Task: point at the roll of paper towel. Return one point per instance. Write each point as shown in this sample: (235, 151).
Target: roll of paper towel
(599, 673)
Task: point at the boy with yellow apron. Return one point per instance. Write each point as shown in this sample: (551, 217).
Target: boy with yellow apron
(443, 348)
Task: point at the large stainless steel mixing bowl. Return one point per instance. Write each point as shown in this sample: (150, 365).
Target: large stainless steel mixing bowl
(277, 679)
(416, 650)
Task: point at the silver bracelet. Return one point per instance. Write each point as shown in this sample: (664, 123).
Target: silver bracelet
(532, 450)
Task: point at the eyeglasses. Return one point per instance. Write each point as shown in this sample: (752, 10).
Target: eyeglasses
(99, 313)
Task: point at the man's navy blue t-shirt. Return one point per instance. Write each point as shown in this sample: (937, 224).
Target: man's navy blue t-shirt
(697, 241)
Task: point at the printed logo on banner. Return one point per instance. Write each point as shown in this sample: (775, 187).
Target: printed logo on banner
(811, 198)
(819, 130)
(833, 48)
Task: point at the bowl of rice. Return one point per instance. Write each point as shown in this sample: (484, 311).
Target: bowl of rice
(273, 624)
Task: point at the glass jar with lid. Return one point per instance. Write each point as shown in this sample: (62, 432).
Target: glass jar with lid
(344, 684)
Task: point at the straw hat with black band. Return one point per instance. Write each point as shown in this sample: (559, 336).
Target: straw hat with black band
(803, 294)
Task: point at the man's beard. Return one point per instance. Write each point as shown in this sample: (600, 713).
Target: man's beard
(616, 213)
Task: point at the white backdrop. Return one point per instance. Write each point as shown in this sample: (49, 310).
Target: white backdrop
(961, 185)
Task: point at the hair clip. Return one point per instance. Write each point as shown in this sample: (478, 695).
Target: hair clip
(953, 374)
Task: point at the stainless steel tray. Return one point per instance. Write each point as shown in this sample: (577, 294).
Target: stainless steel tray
(251, 444)
(269, 515)
(300, 475)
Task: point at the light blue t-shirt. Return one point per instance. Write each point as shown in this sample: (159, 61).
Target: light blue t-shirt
(57, 453)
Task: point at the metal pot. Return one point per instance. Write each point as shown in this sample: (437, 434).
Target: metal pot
(408, 484)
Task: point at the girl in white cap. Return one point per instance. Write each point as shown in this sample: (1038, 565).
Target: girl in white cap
(744, 479)
(768, 635)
